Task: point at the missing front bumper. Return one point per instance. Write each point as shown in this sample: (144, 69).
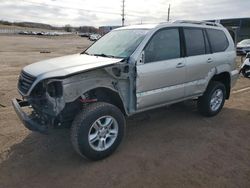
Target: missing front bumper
(29, 122)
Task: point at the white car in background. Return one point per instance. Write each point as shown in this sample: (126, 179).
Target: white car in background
(94, 37)
(243, 47)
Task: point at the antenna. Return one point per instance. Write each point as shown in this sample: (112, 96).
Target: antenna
(168, 13)
(123, 12)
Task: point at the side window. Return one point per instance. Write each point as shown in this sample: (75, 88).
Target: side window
(195, 43)
(164, 45)
(218, 40)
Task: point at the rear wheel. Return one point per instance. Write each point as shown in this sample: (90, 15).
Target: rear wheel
(98, 130)
(212, 101)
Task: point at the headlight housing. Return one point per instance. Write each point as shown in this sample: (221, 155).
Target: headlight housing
(55, 89)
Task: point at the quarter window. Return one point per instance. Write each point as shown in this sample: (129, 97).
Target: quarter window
(195, 43)
(218, 40)
(164, 45)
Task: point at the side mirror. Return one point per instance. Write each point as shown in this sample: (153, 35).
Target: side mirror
(248, 55)
(142, 58)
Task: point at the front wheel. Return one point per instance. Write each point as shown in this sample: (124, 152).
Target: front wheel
(98, 130)
(212, 101)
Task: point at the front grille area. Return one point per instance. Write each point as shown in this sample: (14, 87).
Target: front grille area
(25, 82)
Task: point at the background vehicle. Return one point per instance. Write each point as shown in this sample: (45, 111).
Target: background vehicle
(84, 34)
(243, 47)
(94, 37)
(245, 68)
(129, 70)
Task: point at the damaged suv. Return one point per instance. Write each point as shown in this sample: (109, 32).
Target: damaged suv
(129, 70)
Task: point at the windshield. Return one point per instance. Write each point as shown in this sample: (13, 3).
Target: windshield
(118, 43)
(247, 41)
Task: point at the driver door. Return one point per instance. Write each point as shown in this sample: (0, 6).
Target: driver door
(161, 77)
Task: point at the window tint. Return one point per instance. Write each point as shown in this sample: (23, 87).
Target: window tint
(218, 40)
(164, 45)
(195, 43)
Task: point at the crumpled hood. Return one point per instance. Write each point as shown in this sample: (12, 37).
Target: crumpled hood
(66, 65)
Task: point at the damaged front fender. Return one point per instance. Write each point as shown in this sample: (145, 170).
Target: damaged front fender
(107, 78)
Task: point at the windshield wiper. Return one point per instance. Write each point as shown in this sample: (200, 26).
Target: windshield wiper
(103, 55)
(85, 53)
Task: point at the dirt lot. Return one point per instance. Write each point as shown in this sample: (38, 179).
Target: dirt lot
(168, 147)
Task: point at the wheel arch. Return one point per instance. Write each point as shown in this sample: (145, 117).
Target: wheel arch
(224, 78)
(109, 95)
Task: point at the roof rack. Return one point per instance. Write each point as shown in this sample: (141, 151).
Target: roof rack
(199, 22)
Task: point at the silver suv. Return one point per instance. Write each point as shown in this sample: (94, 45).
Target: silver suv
(129, 70)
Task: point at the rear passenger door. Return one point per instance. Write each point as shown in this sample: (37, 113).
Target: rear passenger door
(199, 60)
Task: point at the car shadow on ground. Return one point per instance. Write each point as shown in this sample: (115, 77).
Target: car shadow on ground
(154, 135)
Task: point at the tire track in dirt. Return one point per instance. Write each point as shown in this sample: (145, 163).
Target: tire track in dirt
(241, 90)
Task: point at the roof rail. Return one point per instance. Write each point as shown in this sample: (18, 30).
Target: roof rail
(199, 22)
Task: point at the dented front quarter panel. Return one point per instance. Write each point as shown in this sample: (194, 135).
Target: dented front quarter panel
(75, 86)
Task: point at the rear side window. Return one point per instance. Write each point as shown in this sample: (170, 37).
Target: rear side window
(195, 43)
(164, 45)
(218, 40)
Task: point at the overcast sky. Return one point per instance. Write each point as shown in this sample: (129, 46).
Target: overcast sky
(108, 12)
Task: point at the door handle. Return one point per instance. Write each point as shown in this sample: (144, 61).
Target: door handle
(210, 60)
(180, 65)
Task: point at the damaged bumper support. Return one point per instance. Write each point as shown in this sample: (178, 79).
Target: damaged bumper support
(29, 122)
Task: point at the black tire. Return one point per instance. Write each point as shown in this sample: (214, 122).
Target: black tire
(83, 122)
(204, 106)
